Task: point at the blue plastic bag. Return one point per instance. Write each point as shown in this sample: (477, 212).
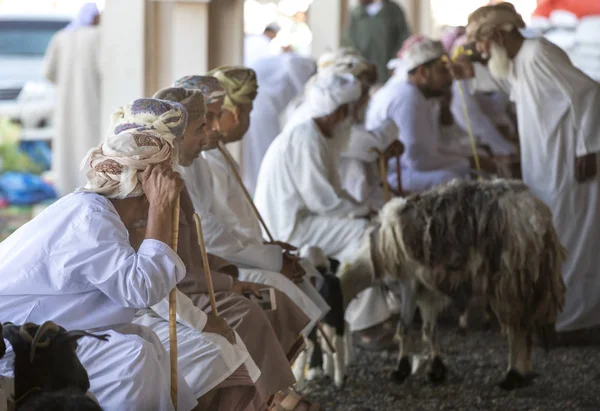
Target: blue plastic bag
(25, 188)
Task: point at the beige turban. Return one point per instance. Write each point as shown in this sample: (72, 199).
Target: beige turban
(485, 20)
(239, 83)
(209, 86)
(347, 60)
(142, 133)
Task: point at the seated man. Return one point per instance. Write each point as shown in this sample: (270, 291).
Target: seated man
(272, 337)
(298, 191)
(84, 264)
(413, 105)
(270, 264)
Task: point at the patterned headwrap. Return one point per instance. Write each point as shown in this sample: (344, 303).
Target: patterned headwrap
(209, 86)
(418, 50)
(142, 133)
(239, 82)
(485, 20)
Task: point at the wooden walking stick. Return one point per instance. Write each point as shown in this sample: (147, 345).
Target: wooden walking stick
(383, 172)
(211, 290)
(399, 174)
(173, 308)
(231, 165)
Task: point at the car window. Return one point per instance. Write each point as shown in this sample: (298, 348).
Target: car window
(27, 38)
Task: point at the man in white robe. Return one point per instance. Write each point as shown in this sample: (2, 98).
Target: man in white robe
(256, 261)
(299, 193)
(72, 64)
(85, 264)
(258, 46)
(557, 108)
(281, 78)
(414, 106)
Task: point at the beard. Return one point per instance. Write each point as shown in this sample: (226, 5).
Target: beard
(499, 62)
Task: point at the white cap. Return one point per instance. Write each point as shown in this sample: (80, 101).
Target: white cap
(418, 50)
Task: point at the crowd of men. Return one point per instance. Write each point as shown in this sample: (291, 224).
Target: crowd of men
(100, 258)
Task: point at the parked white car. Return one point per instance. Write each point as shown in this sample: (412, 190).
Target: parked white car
(25, 96)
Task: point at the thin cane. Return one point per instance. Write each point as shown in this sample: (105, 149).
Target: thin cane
(231, 165)
(383, 172)
(461, 50)
(173, 308)
(211, 290)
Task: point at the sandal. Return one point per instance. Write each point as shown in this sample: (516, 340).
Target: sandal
(293, 402)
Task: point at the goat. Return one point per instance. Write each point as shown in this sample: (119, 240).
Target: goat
(321, 359)
(47, 371)
(494, 236)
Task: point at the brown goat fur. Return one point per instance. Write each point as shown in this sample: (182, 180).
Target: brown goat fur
(494, 237)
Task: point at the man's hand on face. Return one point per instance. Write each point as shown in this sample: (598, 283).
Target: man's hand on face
(241, 287)
(585, 168)
(291, 268)
(217, 325)
(161, 185)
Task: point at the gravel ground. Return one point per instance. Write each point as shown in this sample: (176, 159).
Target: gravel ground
(569, 380)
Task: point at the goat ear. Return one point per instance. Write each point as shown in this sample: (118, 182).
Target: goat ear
(11, 333)
(77, 334)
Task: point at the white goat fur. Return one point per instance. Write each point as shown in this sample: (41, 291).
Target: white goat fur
(492, 236)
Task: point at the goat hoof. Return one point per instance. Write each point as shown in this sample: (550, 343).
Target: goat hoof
(513, 380)
(438, 371)
(403, 371)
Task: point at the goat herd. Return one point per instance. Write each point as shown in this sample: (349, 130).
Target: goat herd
(490, 239)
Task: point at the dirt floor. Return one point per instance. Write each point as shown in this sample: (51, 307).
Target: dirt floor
(569, 380)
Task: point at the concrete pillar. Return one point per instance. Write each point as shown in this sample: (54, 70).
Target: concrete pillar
(123, 53)
(326, 19)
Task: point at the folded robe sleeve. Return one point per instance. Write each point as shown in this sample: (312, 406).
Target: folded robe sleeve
(314, 180)
(132, 279)
(187, 312)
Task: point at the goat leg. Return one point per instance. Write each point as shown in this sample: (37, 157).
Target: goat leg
(516, 375)
(429, 313)
(404, 365)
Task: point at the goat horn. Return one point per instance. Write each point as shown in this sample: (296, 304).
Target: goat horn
(47, 326)
(24, 332)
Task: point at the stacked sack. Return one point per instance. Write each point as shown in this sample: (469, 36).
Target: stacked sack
(577, 34)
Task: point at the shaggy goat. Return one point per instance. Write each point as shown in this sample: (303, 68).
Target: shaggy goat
(493, 236)
(321, 358)
(47, 370)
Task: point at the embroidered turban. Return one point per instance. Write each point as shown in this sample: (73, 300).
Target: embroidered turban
(418, 50)
(192, 100)
(209, 86)
(485, 20)
(239, 82)
(141, 134)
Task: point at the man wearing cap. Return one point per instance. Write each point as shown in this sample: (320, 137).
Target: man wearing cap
(557, 108)
(414, 106)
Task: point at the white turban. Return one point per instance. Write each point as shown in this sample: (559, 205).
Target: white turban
(418, 50)
(142, 133)
(331, 90)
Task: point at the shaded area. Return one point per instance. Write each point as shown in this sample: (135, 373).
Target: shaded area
(569, 380)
